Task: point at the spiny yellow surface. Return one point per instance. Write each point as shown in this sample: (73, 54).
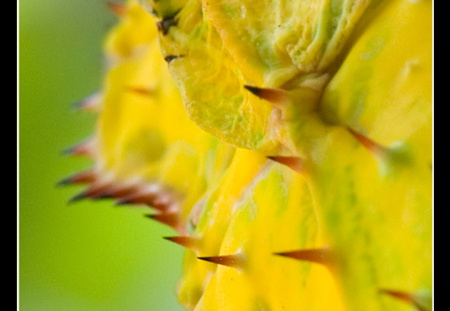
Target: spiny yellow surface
(138, 137)
(337, 92)
(264, 281)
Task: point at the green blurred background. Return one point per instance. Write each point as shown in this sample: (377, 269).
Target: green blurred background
(88, 255)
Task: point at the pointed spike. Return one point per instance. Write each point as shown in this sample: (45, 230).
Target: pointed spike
(169, 219)
(78, 197)
(120, 190)
(119, 9)
(294, 163)
(138, 197)
(98, 191)
(406, 297)
(275, 96)
(152, 195)
(170, 58)
(315, 255)
(142, 90)
(92, 102)
(124, 201)
(167, 22)
(234, 261)
(372, 146)
(102, 193)
(94, 191)
(82, 149)
(79, 178)
(185, 241)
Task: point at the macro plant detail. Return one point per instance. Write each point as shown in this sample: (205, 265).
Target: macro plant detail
(287, 143)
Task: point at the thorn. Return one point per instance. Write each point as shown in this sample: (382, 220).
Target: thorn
(152, 195)
(120, 190)
(170, 58)
(234, 261)
(82, 149)
(98, 191)
(167, 22)
(145, 196)
(294, 163)
(117, 8)
(372, 146)
(92, 102)
(78, 197)
(95, 191)
(406, 297)
(185, 241)
(275, 96)
(316, 255)
(169, 219)
(80, 178)
(144, 91)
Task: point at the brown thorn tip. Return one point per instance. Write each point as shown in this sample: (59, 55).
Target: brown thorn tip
(367, 143)
(254, 90)
(138, 197)
(167, 22)
(406, 297)
(95, 191)
(122, 202)
(117, 8)
(275, 96)
(141, 90)
(185, 241)
(80, 178)
(315, 255)
(294, 163)
(92, 102)
(120, 191)
(78, 197)
(234, 260)
(83, 149)
(170, 58)
(169, 219)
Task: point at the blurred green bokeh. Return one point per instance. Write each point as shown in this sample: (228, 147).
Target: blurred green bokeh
(88, 255)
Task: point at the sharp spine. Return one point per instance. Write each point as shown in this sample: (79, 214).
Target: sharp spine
(169, 219)
(120, 191)
(144, 91)
(92, 102)
(117, 8)
(185, 241)
(138, 197)
(82, 149)
(275, 96)
(170, 58)
(294, 163)
(369, 144)
(406, 297)
(316, 255)
(166, 23)
(234, 261)
(94, 191)
(79, 178)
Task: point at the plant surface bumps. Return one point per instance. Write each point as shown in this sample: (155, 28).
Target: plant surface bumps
(287, 143)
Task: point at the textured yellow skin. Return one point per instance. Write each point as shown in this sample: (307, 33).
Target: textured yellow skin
(268, 282)
(389, 68)
(275, 42)
(365, 71)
